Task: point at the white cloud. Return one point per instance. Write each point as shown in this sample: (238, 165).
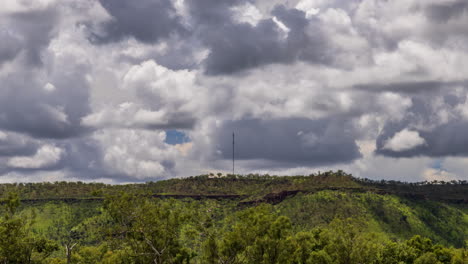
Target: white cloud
(247, 13)
(462, 109)
(162, 87)
(456, 167)
(126, 115)
(10, 6)
(394, 105)
(431, 174)
(49, 87)
(377, 167)
(3, 136)
(282, 26)
(136, 153)
(310, 7)
(46, 156)
(50, 176)
(404, 140)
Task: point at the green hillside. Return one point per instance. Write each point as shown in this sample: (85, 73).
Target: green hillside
(251, 187)
(328, 217)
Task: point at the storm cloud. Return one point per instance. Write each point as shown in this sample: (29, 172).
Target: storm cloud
(293, 141)
(444, 11)
(284, 38)
(147, 21)
(438, 119)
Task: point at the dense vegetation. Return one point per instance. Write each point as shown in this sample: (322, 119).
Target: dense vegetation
(322, 218)
(251, 187)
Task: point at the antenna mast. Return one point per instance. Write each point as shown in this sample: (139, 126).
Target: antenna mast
(232, 153)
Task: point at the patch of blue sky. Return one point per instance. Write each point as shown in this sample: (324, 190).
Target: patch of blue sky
(174, 137)
(437, 164)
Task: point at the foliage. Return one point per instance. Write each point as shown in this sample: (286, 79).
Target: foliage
(251, 186)
(328, 217)
(17, 244)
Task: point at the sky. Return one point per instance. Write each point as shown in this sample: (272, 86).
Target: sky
(122, 91)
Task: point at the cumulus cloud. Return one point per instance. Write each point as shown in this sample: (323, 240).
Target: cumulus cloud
(139, 154)
(159, 85)
(31, 27)
(90, 88)
(44, 89)
(404, 140)
(130, 115)
(286, 36)
(45, 156)
(164, 99)
(147, 21)
(12, 144)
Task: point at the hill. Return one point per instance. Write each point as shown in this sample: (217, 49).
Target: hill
(237, 219)
(252, 187)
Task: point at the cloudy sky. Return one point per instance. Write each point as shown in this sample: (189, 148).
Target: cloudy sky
(128, 91)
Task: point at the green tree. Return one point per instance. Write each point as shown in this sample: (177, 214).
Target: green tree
(65, 228)
(151, 228)
(259, 235)
(17, 244)
(427, 258)
(319, 257)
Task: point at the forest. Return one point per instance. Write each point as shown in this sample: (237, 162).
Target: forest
(326, 217)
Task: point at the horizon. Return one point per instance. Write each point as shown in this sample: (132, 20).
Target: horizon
(215, 175)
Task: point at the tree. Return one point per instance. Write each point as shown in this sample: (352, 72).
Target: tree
(17, 245)
(65, 228)
(150, 228)
(259, 235)
(319, 257)
(427, 258)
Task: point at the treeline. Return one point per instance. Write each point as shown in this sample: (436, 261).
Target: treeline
(131, 228)
(454, 191)
(253, 186)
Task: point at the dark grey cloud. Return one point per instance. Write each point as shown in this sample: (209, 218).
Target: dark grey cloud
(181, 55)
(212, 12)
(175, 120)
(290, 141)
(36, 29)
(27, 107)
(444, 11)
(6, 170)
(179, 120)
(446, 139)
(413, 87)
(146, 20)
(10, 45)
(238, 46)
(16, 145)
(83, 159)
(232, 46)
(445, 22)
(300, 45)
(83, 156)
